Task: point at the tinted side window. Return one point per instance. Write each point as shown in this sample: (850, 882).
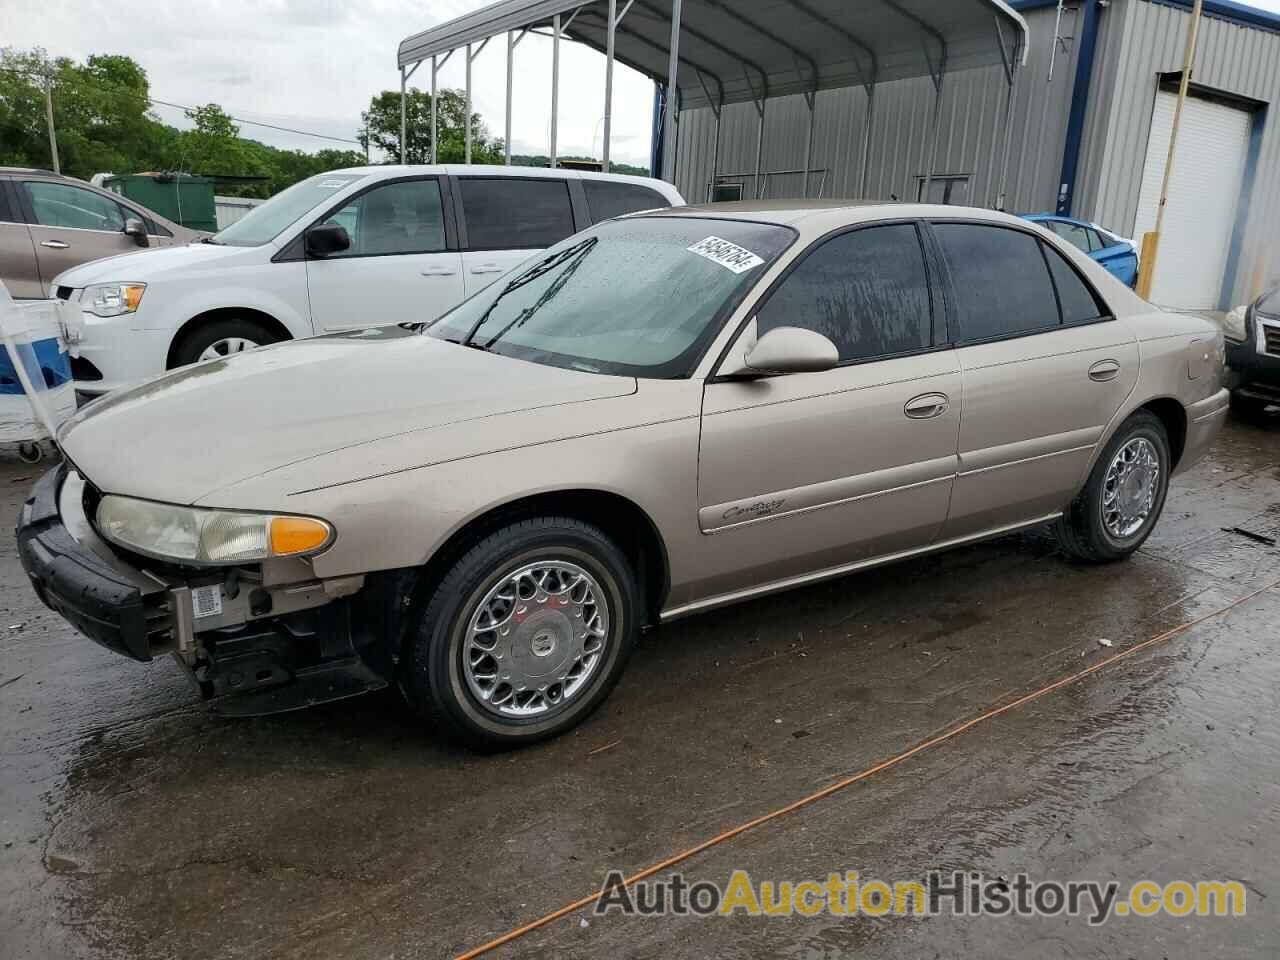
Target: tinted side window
(1001, 282)
(62, 205)
(5, 213)
(867, 291)
(608, 199)
(1078, 302)
(1075, 235)
(504, 213)
(403, 217)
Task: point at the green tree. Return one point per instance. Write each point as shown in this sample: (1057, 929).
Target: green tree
(381, 128)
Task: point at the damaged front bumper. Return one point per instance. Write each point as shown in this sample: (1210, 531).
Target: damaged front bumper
(255, 639)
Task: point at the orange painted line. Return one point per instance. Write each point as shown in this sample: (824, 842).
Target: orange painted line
(839, 785)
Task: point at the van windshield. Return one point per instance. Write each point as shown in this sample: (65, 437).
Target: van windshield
(641, 296)
(267, 221)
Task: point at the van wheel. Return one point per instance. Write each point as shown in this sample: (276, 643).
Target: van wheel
(1119, 506)
(526, 634)
(221, 338)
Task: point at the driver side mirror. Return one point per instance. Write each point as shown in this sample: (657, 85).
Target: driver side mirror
(325, 239)
(133, 227)
(785, 350)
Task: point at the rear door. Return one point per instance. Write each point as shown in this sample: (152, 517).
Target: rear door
(1045, 369)
(71, 225)
(403, 264)
(505, 220)
(807, 472)
(18, 267)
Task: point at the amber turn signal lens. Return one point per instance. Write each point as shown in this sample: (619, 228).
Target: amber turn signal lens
(294, 535)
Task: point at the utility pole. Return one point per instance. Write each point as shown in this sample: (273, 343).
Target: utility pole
(48, 116)
(1151, 242)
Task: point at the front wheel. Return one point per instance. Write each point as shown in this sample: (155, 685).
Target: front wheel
(221, 338)
(526, 634)
(1119, 506)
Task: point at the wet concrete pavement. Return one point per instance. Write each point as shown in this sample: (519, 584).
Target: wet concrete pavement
(133, 824)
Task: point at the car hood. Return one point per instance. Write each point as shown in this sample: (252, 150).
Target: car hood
(204, 427)
(146, 263)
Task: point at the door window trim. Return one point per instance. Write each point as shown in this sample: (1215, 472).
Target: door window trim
(578, 212)
(10, 211)
(937, 304)
(295, 249)
(958, 338)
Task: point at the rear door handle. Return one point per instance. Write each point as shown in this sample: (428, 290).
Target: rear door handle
(439, 272)
(927, 406)
(1104, 370)
(486, 268)
(54, 244)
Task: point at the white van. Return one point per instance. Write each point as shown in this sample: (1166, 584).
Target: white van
(352, 248)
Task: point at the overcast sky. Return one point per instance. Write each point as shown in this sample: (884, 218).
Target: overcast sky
(314, 64)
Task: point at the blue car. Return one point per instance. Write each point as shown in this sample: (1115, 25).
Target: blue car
(1118, 255)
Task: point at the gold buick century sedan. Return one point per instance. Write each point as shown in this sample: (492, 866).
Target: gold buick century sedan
(668, 412)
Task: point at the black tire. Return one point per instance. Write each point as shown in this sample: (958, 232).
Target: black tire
(1248, 409)
(434, 680)
(1082, 531)
(195, 341)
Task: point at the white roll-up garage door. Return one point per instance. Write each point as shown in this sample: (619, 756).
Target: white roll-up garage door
(1204, 198)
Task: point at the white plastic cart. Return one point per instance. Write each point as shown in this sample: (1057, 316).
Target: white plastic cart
(36, 389)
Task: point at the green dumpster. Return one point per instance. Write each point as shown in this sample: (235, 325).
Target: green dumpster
(182, 197)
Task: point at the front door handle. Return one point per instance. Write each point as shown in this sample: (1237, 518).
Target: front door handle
(927, 406)
(439, 272)
(55, 244)
(1104, 370)
(486, 268)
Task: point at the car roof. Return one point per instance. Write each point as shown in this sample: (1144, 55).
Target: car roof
(492, 170)
(830, 213)
(37, 170)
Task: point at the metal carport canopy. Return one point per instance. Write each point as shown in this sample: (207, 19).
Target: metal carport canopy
(714, 52)
(743, 50)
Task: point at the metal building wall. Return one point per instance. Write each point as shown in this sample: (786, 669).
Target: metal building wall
(1142, 40)
(971, 128)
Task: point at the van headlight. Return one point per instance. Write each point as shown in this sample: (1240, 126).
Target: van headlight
(112, 299)
(196, 536)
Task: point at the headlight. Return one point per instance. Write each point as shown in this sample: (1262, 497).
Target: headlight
(1235, 325)
(112, 299)
(192, 535)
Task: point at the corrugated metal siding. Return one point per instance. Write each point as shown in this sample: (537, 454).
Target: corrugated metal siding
(1146, 39)
(970, 127)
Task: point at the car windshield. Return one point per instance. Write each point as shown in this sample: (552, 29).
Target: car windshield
(266, 221)
(1269, 304)
(640, 296)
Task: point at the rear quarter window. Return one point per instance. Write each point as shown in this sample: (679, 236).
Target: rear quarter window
(607, 199)
(506, 213)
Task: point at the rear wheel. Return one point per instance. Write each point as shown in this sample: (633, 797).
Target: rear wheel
(1119, 506)
(221, 338)
(526, 634)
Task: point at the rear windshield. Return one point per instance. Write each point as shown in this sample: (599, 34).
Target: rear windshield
(267, 221)
(639, 297)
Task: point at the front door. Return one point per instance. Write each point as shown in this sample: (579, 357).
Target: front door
(71, 225)
(1045, 370)
(398, 269)
(805, 473)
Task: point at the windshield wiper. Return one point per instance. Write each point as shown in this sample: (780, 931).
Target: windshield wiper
(547, 295)
(525, 278)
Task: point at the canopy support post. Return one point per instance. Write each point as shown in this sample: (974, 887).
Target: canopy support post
(608, 84)
(1011, 78)
(466, 115)
(435, 70)
(555, 86)
(939, 79)
(673, 90)
(511, 56)
(810, 99)
(865, 175)
(717, 107)
(404, 120)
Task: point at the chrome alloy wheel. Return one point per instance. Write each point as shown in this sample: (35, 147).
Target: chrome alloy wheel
(1130, 487)
(225, 347)
(535, 639)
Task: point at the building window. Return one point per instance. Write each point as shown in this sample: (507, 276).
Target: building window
(948, 188)
(722, 192)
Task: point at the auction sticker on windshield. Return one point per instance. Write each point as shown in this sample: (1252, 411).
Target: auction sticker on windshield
(728, 255)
